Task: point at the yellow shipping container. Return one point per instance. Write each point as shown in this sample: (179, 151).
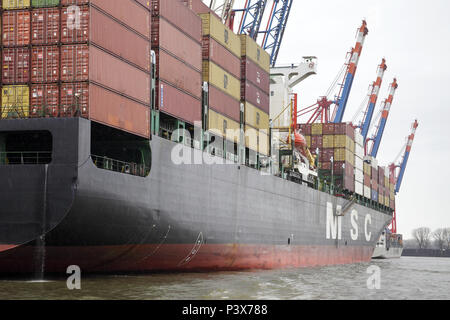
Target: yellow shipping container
(15, 4)
(308, 141)
(328, 141)
(392, 188)
(250, 49)
(256, 117)
(221, 79)
(342, 154)
(213, 27)
(15, 102)
(257, 140)
(316, 129)
(386, 181)
(392, 195)
(386, 201)
(367, 169)
(380, 198)
(219, 124)
(343, 141)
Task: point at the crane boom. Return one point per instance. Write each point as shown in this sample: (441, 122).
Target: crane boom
(383, 120)
(374, 91)
(222, 8)
(252, 15)
(351, 71)
(406, 156)
(275, 28)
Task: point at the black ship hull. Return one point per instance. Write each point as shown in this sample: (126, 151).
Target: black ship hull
(188, 217)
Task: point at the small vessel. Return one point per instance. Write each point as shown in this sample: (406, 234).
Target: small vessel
(390, 245)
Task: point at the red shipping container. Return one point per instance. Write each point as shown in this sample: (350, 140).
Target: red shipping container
(224, 103)
(118, 39)
(317, 142)
(344, 129)
(305, 128)
(75, 24)
(127, 12)
(215, 52)
(325, 165)
(343, 168)
(180, 16)
(328, 129)
(45, 26)
(145, 3)
(16, 28)
(367, 181)
(252, 72)
(75, 99)
(44, 100)
(45, 64)
(255, 96)
(178, 73)
(166, 36)
(325, 154)
(16, 65)
(381, 176)
(75, 63)
(117, 111)
(181, 105)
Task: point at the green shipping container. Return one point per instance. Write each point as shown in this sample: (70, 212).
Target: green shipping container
(44, 3)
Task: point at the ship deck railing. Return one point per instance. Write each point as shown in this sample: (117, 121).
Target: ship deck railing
(25, 157)
(119, 166)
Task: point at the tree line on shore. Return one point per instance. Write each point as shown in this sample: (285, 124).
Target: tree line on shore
(424, 238)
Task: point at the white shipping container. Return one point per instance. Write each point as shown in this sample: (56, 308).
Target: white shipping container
(359, 163)
(386, 172)
(359, 188)
(359, 175)
(359, 139)
(367, 192)
(359, 151)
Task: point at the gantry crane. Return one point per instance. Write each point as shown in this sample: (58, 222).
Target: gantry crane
(373, 97)
(406, 150)
(383, 120)
(321, 109)
(223, 9)
(252, 15)
(276, 25)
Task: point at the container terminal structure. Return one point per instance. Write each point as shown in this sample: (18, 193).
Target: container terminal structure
(137, 136)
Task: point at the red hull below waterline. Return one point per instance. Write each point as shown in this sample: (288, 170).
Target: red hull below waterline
(182, 257)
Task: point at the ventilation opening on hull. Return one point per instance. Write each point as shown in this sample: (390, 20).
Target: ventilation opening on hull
(120, 151)
(26, 148)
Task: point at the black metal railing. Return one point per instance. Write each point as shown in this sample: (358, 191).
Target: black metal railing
(25, 157)
(130, 168)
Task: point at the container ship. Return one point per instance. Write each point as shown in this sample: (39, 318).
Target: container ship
(116, 153)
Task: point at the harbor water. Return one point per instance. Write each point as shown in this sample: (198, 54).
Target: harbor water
(407, 278)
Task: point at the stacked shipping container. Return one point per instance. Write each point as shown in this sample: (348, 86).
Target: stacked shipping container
(176, 40)
(222, 74)
(255, 88)
(78, 58)
(336, 146)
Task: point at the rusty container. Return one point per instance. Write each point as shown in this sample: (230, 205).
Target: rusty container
(16, 65)
(181, 105)
(16, 28)
(255, 74)
(223, 103)
(173, 40)
(45, 64)
(254, 95)
(45, 25)
(178, 15)
(44, 100)
(214, 51)
(179, 74)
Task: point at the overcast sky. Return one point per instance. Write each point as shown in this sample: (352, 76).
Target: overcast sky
(414, 37)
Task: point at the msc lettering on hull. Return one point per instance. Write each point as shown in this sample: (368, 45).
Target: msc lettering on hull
(334, 224)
